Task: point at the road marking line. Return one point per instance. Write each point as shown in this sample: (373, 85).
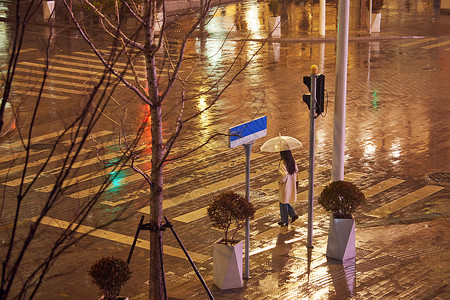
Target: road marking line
(193, 215)
(404, 201)
(28, 50)
(45, 95)
(436, 45)
(37, 72)
(78, 179)
(416, 42)
(200, 213)
(90, 60)
(352, 176)
(31, 79)
(300, 176)
(382, 186)
(136, 177)
(56, 68)
(36, 139)
(119, 238)
(207, 189)
(47, 88)
(53, 159)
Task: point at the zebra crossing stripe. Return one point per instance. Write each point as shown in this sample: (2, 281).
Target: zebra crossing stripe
(300, 176)
(94, 61)
(53, 158)
(44, 95)
(50, 88)
(404, 201)
(34, 139)
(382, 186)
(78, 179)
(54, 74)
(436, 45)
(206, 190)
(200, 213)
(27, 50)
(117, 237)
(171, 201)
(192, 216)
(420, 41)
(55, 81)
(66, 69)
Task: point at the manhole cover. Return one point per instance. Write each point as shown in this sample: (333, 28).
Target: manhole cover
(441, 177)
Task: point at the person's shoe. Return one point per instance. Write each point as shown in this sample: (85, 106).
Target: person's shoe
(282, 224)
(294, 218)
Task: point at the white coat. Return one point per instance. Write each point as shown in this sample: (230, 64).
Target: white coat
(287, 192)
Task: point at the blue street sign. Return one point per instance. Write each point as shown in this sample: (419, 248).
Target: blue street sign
(247, 132)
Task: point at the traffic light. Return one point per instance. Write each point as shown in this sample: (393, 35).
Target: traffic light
(320, 92)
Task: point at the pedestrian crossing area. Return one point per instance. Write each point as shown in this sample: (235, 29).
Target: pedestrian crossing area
(68, 75)
(425, 44)
(262, 172)
(73, 75)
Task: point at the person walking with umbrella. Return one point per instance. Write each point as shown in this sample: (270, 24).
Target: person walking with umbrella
(287, 175)
(287, 183)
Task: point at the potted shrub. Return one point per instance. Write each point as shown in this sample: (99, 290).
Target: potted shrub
(226, 210)
(341, 199)
(110, 274)
(376, 14)
(274, 19)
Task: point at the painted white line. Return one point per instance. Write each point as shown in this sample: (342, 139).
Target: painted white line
(417, 42)
(53, 159)
(117, 237)
(404, 201)
(436, 45)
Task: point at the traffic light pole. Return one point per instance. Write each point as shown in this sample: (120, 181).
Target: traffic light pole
(248, 151)
(312, 144)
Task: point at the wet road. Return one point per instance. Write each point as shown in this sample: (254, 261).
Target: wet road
(397, 129)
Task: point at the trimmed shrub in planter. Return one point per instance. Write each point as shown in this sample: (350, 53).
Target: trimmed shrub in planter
(229, 209)
(110, 274)
(376, 5)
(226, 210)
(341, 198)
(274, 7)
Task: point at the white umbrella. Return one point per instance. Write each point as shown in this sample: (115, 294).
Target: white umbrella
(281, 143)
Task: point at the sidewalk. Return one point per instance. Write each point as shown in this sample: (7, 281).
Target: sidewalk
(408, 261)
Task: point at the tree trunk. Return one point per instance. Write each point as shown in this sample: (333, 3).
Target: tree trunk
(156, 284)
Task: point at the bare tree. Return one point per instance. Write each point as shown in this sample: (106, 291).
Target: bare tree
(167, 75)
(21, 231)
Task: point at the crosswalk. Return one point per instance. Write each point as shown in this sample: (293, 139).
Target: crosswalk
(70, 71)
(68, 75)
(262, 173)
(426, 44)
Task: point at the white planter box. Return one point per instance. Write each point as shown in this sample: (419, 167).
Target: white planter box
(275, 26)
(227, 265)
(445, 6)
(376, 22)
(48, 10)
(159, 22)
(341, 239)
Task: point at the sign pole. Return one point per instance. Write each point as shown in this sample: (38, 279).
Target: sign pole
(248, 151)
(245, 134)
(312, 144)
